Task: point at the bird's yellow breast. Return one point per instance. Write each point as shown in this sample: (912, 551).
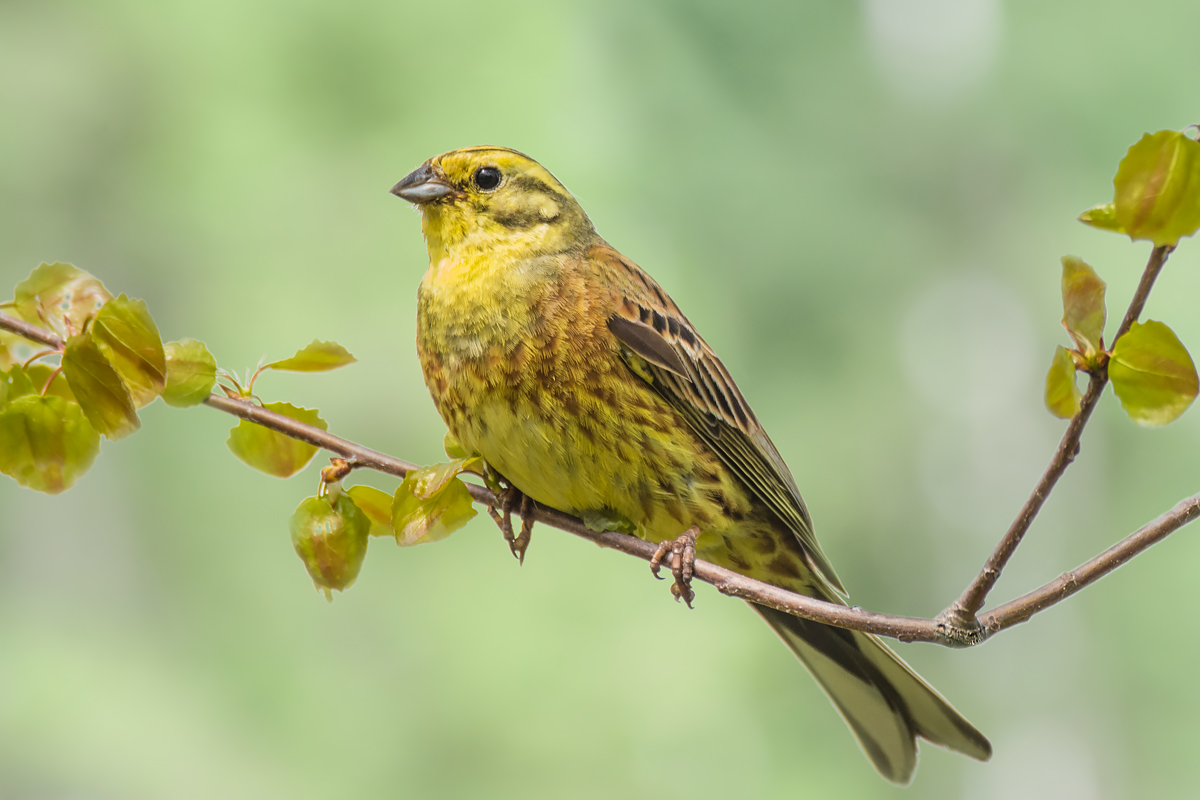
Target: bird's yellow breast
(517, 354)
(525, 372)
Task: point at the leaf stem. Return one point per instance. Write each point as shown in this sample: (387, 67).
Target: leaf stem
(50, 380)
(36, 356)
(229, 376)
(250, 384)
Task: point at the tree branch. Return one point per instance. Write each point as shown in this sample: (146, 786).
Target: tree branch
(943, 631)
(906, 629)
(961, 615)
(726, 581)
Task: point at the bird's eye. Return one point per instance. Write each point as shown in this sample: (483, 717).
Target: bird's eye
(487, 178)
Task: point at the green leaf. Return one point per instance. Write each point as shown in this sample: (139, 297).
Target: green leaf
(39, 373)
(191, 373)
(1153, 374)
(1158, 188)
(452, 447)
(45, 443)
(15, 383)
(272, 452)
(315, 357)
(1103, 216)
(377, 505)
(431, 503)
(126, 334)
(59, 296)
(1083, 305)
(1062, 395)
(418, 521)
(331, 540)
(7, 358)
(607, 519)
(426, 482)
(98, 387)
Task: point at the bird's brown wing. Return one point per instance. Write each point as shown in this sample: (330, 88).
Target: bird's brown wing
(685, 371)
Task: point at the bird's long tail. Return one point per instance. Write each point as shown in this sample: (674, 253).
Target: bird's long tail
(884, 702)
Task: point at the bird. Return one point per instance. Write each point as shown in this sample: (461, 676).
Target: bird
(576, 378)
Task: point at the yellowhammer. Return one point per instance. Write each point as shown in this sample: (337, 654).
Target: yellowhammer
(578, 379)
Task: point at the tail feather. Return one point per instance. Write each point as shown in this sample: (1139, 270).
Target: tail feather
(884, 702)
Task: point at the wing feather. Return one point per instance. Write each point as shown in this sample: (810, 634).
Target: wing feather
(685, 371)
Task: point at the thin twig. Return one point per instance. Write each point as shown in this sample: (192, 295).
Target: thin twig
(46, 386)
(362, 456)
(1024, 607)
(1158, 257)
(961, 615)
(36, 356)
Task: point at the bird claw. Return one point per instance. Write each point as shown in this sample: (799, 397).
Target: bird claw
(521, 543)
(511, 499)
(683, 563)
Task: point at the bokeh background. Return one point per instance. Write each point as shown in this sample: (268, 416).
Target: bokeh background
(861, 205)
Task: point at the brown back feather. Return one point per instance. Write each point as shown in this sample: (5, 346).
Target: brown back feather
(685, 371)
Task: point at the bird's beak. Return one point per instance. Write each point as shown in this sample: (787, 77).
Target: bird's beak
(423, 185)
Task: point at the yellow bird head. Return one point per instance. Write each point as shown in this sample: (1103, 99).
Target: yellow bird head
(489, 199)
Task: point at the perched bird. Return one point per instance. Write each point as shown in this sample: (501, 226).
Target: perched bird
(568, 369)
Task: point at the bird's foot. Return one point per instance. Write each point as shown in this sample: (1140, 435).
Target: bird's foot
(511, 499)
(683, 562)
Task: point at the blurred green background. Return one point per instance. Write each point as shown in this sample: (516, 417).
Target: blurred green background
(861, 205)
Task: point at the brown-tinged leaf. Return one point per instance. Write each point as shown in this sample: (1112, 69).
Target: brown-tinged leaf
(417, 520)
(45, 442)
(126, 334)
(1062, 394)
(98, 388)
(272, 452)
(59, 297)
(191, 373)
(1083, 305)
(1158, 188)
(1153, 374)
(315, 357)
(331, 540)
(377, 505)
(431, 502)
